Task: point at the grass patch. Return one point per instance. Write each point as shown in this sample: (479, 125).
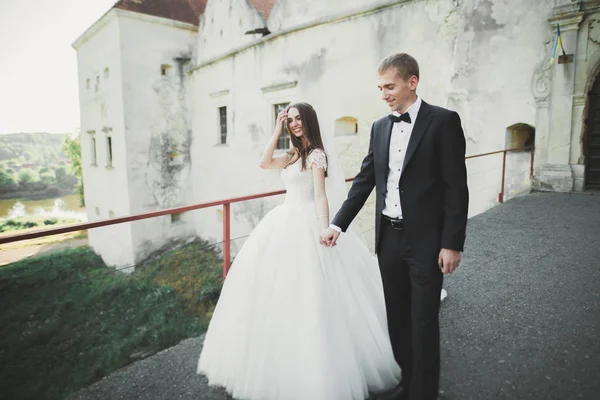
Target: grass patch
(193, 271)
(67, 320)
(20, 225)
(27, 223)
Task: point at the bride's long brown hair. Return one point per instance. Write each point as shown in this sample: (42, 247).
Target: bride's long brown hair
(311, 134)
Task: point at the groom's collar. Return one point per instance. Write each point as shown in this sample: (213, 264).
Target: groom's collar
(413, 110)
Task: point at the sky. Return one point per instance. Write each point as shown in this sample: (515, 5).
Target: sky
(38, 65)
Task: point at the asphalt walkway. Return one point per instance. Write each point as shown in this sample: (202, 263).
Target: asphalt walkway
(522, 319)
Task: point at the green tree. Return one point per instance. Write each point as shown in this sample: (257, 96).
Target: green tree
(60, 175)
(7, 181)
(27, 176)
(47, 176)
(73, 149)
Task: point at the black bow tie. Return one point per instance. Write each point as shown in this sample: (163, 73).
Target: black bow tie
(402, 117)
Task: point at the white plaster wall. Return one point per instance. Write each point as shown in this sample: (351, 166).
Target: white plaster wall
(517, 180)
(106, 189)
(223, 26)
(477, 57)
(157, 116)
(288, 14)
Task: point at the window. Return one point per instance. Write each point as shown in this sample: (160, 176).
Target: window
(223, 124)
(93, 150)
(520, 136)
(106, 73)
(284, 140)
(346, 126)
(175, 217)
(165, 69)
(109, 154)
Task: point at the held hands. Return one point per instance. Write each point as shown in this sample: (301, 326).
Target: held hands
(329, 237)
(448, 260)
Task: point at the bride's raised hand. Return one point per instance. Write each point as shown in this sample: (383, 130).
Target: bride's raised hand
(281, 121)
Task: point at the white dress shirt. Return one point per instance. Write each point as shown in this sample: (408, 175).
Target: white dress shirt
(401, 132)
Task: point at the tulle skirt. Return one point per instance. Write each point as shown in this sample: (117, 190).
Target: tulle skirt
(297, 320)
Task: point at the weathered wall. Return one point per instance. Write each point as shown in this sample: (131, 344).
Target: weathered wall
(146, 113)
(466, 50)
(486, 59)
(562, 97)
(102, 116)
(157, 125)
(223, 27)
(290, 14)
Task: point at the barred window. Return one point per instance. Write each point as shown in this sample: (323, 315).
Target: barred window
(223, 124)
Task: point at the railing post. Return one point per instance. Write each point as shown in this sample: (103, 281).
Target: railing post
(501, 194)
(226, 238)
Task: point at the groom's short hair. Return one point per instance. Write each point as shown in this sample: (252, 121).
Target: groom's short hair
(406, 65)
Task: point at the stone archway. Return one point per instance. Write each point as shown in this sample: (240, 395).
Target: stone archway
(591, 139)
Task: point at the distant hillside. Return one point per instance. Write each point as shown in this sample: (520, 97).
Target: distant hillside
(33, 151)
(35, 166)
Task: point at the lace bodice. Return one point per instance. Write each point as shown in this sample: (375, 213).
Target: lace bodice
(298, 182)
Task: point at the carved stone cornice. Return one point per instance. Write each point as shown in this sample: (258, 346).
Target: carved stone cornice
(219, 93)
(279, 86)
(573, 6)
(579, 100)
(542, 103)
(590, 6)
(567, 22)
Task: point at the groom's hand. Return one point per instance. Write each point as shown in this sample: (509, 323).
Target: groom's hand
(448, 260)
(329, 237)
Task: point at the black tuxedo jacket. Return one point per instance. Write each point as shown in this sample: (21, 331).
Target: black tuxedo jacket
(433, 186)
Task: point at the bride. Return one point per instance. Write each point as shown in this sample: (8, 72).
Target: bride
(297, 320)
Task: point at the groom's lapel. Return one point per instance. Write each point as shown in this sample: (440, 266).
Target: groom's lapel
(384, 148)
(422, 122)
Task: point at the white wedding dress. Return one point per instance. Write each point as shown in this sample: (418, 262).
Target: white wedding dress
(297, 320)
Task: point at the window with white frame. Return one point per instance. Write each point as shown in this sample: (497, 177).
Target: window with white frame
(277, 96)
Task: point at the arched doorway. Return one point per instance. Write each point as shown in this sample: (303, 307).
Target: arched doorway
(592, 140)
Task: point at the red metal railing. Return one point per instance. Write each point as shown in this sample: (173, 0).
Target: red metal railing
(226, 203)
(504, 152)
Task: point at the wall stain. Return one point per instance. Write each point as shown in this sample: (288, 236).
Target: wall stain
(169, 159)
(481, 19)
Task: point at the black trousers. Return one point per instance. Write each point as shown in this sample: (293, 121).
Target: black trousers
(412, 297)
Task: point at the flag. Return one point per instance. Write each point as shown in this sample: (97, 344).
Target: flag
(557, 42)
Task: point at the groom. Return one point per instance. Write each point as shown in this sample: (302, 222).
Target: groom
(416, 163)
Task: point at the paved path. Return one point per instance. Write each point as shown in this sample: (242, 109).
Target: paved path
(13, 254)
(522, 320)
